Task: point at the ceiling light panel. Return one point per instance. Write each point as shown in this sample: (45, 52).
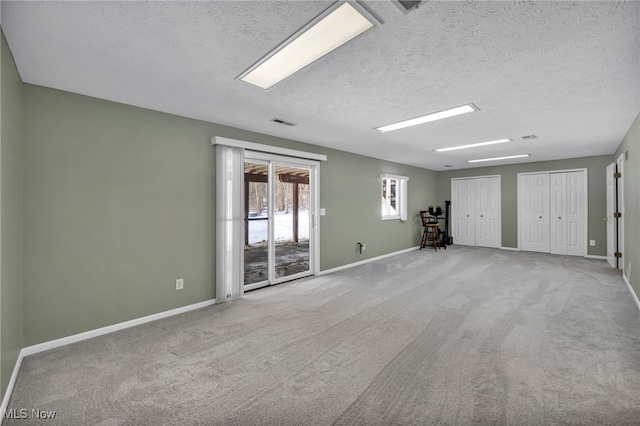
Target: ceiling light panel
(464, 109)
(473, 145)
(337, 25)
(499, 158)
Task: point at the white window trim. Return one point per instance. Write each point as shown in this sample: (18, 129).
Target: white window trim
(252, 146)
(401, 197)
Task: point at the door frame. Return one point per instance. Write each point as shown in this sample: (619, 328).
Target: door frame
(620, 208)
(586, 201)
(314, 211)
(612, 207)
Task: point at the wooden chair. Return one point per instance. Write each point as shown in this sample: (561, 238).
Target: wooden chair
(429, 229)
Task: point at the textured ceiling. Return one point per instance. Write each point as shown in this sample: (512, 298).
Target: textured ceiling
(567, 72)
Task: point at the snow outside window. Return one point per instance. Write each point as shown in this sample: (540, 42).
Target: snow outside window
(394, 197)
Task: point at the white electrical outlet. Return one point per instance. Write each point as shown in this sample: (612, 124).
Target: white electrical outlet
(179, 283)
(592, 243)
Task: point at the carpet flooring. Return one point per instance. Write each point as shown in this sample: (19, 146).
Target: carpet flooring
(464, 336)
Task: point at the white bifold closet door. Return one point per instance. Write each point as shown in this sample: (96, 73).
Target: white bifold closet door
(487, 208)
(463, 197)
(534, 212)
(476, 211)
(552, 213)
(567, 211)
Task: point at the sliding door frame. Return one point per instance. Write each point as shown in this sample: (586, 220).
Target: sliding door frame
(226, 202)
(314, 232)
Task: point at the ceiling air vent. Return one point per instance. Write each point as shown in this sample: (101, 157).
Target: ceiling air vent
(284, 122)
(529, 137)
(407, 6)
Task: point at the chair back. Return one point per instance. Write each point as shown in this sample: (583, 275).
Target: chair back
(427, 220)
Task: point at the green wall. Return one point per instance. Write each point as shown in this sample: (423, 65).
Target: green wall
(350, 191)
(11, 163)
(119, 202)
(631, 250)
(597, 194)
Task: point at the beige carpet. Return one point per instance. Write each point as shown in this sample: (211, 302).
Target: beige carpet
(459, 337)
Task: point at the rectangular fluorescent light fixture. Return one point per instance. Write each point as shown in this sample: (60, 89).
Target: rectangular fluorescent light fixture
(499, 158)
(429, 117)
(335, 26)
(473, 145)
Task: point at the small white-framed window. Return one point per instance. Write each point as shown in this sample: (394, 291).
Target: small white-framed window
(394, 197)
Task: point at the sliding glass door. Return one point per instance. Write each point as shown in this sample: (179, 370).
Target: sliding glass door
(279, 219)
(291, 223)
(256, 222)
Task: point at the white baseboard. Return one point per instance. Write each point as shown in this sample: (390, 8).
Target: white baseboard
(362, 262)
(633, 293)
(510, 248)
(52, 344)
(12, 382)
(593, 256)
(30, 350)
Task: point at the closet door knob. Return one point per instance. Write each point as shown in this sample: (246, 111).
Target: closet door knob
(539, 217)
(481, 215)
(559, 217)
